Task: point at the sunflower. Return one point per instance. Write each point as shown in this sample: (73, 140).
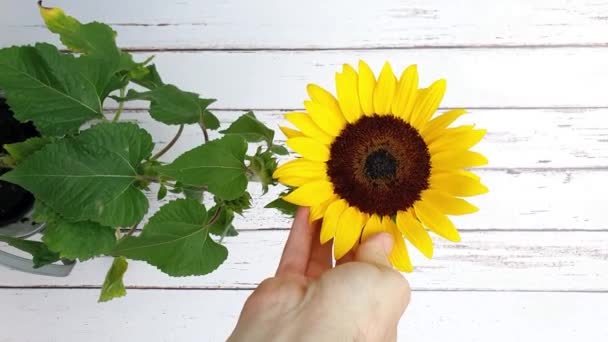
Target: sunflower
(375, 160)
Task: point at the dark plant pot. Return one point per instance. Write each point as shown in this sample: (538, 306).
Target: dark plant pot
(15, 203)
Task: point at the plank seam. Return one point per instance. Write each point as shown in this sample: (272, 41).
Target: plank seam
(373, 48)
(250, 288)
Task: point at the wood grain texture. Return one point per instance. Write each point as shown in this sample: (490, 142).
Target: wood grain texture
(50, 316)
(496, 261)
(273, 24)
(516, 138)
(554, 77)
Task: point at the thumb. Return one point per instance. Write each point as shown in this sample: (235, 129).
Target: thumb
(375, 250)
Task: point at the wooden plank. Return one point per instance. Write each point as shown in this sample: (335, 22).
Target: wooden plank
(523, 261)
(243, 24)
(476, 77)
(516, 138)
(158, 315)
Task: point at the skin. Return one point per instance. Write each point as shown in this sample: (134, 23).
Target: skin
(362, 298)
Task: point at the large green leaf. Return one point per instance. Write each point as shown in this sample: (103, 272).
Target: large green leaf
(39, 251)
(218, 164)
(79, 240)
(113, 286)
(90, 177)
(170, 105)
(250, 128)
(177, 241)
(21, 150)
(46, 87)
(94, 39)
(126, 140)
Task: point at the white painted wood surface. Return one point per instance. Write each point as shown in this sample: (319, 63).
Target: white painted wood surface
(208, 316)
(297, 24)
(485, 77)
(533, 264)
(484, 260)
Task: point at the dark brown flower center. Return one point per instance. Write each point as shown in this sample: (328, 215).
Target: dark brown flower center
(379, 164)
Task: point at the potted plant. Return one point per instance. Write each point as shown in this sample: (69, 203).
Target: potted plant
(88, 170)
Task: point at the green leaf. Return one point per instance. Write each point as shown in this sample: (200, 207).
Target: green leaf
(79, 240)
(251, 129)
(46, 87)
(113, 286)
(263, 166)
(237, 205)
(162, 192)
(211, 122)
(170, 105)
(42, 213)
(90, 177)
(177, 241)
(124, 139)
(151, 79)
(39, 251)
(193, 193)
(279, 150)
(218, 164)
(21, 150)
(223, 224)
(283, 206)
(94, 39)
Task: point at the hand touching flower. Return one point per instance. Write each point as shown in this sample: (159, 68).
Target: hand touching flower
(361, 299)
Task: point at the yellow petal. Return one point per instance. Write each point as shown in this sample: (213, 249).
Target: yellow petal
(309, 148)
(448, 204)
(330, 220)
(311, 193)
(457, 140)
(399, 256)
(373, 226)
(457, 184)
(367, 84)
(443, 121)
(348, 93)
(412, 229)
(318, 211)
(385, 90)
(290, 132)
(348, 232)
(427, 104)
(325, 98)
(436, 135)
(456, 159)
(296, 181)
(301, 167)
(405, 97)
(305, 124)
(325, 118)
(437, 222)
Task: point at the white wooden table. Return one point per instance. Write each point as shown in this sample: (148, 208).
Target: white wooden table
(533, 264)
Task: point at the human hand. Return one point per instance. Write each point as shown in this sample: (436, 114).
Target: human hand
(361, 299)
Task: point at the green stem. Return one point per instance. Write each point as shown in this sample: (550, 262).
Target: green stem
(201, 123)
(170, 144)
(133, 229)
(121, 104)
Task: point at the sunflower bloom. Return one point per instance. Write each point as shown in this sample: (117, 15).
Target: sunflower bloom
(374, 159)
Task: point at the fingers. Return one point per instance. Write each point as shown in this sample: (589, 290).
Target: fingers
(320, 255)
(375, 250)
(298, 246)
